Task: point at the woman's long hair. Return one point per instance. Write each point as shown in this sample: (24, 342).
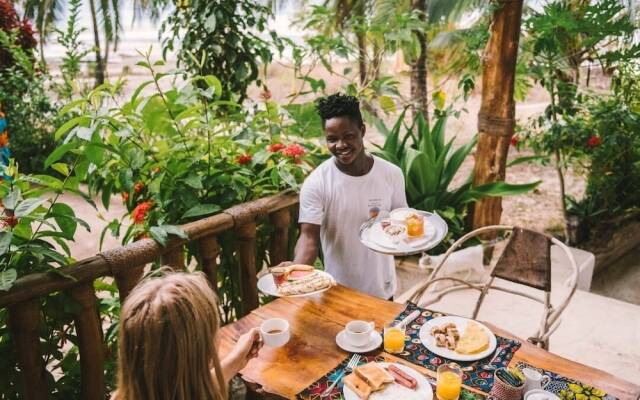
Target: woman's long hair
(166, 341)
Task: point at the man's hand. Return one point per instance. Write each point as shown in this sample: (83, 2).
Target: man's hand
(245, 349)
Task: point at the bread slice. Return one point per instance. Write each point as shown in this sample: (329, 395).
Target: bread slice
(358, 386)
(374, 375)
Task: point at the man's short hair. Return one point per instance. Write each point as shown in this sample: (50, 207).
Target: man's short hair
(339, 105)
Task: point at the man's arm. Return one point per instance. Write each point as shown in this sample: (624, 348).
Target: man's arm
(308, 245)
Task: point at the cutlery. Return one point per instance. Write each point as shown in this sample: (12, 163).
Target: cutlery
(409, 318)
(489, 365)
(355, 359)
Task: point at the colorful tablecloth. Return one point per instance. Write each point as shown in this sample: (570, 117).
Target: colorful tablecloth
(313, 392)
(477, 374)
(569, 389)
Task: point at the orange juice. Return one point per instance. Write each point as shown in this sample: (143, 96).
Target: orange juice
(393, 339)
(448, 385)
(415, 225)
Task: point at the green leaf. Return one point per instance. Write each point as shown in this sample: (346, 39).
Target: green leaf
(194, 181)
(72, 123)
(94, 153)
(65, 218)
(200, 210)
(62, 168)
(58, 153)
(210, 23)
(45, 180)
(387, 104)
(159, 235)
(174, 230)
(27, 206)
(11, 199)
(526, 159)
(5, 242)
(7, 278)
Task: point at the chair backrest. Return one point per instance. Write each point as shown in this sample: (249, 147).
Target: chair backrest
(526, 259)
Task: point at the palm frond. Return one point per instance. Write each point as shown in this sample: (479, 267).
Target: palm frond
(448, 10)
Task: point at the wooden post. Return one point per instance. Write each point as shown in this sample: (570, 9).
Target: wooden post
(246, 242)
(127, 280)
(496, 119)
(174, 258)
(278, 247)
(89, 329)
(418, 81)
(24, 319)
(209, 251)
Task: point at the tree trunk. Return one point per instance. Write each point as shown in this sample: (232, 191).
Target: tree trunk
(419, 96)
(496, 119)
(362, 44)
(99, 74)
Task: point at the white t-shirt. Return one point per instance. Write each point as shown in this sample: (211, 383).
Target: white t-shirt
(340, 204)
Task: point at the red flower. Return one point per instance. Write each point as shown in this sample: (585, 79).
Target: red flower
(139, 214)
(293, 150)
(514, 140)
(8, 221)
(594, 141)
(275, 147)
(244, 159)
(265, 95)
(4, 140)
(137, 188)
(125, 196)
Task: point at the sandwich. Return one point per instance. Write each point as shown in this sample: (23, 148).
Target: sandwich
(311, 282)
(375, 376)
(358, 386)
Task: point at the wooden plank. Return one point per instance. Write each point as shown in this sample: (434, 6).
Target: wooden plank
(246, 244)
(315, 320)
(24, 320)
(91, 344)
(279, 241)
(209, 252)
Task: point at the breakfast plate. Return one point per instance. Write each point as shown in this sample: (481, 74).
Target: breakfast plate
(267, 285)
(395, 391)
(478, 337)
(372, 234)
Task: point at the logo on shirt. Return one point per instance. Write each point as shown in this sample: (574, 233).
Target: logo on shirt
(374, 207)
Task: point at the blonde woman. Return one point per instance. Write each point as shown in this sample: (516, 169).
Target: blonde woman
(166, 342)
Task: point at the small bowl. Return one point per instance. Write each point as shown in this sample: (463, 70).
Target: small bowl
(395, 232)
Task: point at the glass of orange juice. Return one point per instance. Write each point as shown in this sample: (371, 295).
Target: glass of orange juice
(449, 382)
(393, 339)
(415, 225)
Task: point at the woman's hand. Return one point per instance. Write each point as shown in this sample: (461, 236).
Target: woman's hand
(245, 349)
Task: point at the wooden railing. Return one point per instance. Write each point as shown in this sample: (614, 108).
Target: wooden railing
(125, 264)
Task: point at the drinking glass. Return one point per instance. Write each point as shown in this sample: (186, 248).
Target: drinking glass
(415, 225)
(449, 382)
(393, 339)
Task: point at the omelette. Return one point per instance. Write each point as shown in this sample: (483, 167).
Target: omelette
(473, 340)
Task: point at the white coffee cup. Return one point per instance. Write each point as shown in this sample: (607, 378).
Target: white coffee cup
(358, 333)
(539, 394)
(534, 380)
(275, 332)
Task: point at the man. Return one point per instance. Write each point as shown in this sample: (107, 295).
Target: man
(340, 195)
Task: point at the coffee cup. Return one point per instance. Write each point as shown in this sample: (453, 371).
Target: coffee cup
(534, 380)
(358, 333)
(275, 332)
(539, 394)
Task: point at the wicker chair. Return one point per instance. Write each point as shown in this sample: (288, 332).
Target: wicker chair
(525, 260)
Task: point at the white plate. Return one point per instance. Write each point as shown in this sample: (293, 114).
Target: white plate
(267, 285)
(374, 342)
(394, 391)
(461, 323)
(436, 230)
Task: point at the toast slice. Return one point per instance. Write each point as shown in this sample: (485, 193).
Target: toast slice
(374, 375)
(358, 386)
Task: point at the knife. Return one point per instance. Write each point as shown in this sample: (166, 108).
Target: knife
(409, 318)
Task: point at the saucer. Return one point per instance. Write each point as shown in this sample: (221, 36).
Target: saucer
(374, 342)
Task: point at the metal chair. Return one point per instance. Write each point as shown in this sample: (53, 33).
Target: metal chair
(525, 260)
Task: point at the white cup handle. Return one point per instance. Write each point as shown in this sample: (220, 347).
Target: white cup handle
(373, 325)
(545, 381)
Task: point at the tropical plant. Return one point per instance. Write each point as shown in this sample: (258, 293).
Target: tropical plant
(14, 35)
(430, 165)
(220, 37)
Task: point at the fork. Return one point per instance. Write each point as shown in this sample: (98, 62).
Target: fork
(355, 359)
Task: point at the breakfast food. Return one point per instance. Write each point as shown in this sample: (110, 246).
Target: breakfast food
(446, 335)
(394, 230)
(302, 279)
(473, 340)
(402, 378)
(375, 376)
(358, 386)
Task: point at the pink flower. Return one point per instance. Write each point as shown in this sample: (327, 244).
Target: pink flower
(244, 159)
(265, 95)
(594, 141)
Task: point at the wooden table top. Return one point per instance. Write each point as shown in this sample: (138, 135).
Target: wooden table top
(312, 351)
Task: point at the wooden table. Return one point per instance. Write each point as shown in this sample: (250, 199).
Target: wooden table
(312, 351)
